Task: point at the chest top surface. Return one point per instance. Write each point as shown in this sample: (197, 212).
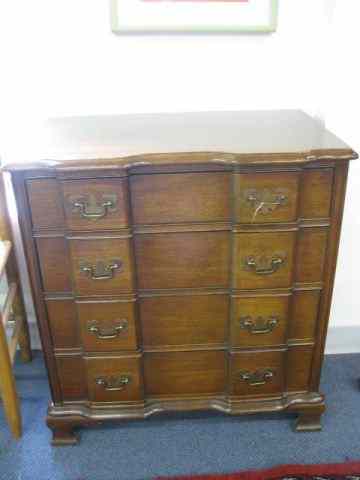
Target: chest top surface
(156, 139)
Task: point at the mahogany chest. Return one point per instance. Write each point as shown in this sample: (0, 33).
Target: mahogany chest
(182, 262)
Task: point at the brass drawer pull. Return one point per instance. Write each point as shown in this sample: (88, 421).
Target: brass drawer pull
(109, 333)
(259, 326)
(114, 384)
(264, 265)
(265, 202)
(257, 378)
(100, 211)
(101, 271)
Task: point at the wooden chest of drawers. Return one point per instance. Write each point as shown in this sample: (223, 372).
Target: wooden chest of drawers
(183, 262)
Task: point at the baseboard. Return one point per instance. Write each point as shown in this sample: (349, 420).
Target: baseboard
(339, 339)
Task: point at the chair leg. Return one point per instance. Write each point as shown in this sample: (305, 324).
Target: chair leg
(24, 337)
(8, 388)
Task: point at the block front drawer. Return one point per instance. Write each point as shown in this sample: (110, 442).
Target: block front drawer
(95, 326)
(92, 204)
(257, 373)
(263, 260)
(184, 320)
(114, 379)
(185, 373)
(183, 260)
(266, 197)
(204, 197)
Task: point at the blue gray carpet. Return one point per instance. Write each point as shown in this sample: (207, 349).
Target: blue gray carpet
(181, 444)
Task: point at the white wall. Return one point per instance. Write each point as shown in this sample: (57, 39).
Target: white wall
(341, 106)
(59, 57)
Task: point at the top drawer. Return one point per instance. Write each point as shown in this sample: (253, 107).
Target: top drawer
(98, 204)
(266, 197)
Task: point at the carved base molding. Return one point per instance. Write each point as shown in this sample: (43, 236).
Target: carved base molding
(62, 420)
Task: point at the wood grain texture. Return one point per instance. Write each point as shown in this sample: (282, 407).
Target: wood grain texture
(108, 316)
(184, 373)
(310, 255)
(248, 137)
(55, 264)
(181, 198)
(111, 369)
(260, 311)
(71, 374)
(252, 362)
(184, 320)
(93, 194)
(46, 204)
(100, 253)
(263, 247)
(274, 197)
(184, 260)
(298, 368)
(304, 315)
(316, 189)
(65, 332)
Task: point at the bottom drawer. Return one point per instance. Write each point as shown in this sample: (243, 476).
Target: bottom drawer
(257, 373)
(185, 373)
(114, 379)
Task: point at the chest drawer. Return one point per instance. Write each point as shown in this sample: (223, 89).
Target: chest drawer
(257, 373)
(183, 260)
(259, 321)
(184, 320)
(263, 260)
(91, 204)
(99, 204)
(184, 373)
(101, 266)
(266, 197)
(114, 379)
(107, 326)
(182, 197)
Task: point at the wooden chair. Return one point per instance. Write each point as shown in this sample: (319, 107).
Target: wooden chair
(12, 310)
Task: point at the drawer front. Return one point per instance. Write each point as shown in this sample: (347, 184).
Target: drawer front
(298, 368)
(184, 197)
(257, 373)
(46, 204)
(263, 260)
(183, 260)
(96, 204)
(259, 321)
(101, 266)
(63, 323)
(316, 190)
(72, 378)
(305, 307)
(184, 320)
(266, 197)
(114, 379)
(55, 264)
(107, 326)
(184, 373)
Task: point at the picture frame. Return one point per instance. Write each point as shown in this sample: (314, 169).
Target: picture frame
(194, 16)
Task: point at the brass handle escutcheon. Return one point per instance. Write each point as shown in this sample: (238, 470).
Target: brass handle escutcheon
(265, 202)
(85, 211)
(257, 378)
(264, 265)
(107, 333)
(113, 384)
(259, 326)
(101, 271)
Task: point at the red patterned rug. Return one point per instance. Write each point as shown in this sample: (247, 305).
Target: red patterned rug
(339, 471)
